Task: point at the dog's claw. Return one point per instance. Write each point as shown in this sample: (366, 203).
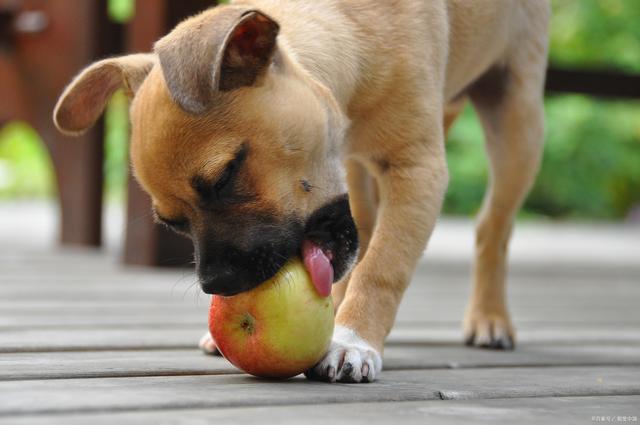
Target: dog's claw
(350, 359)
(331, 373)
(502, 343)
(365, 372)
(489, 331)
(468, 340)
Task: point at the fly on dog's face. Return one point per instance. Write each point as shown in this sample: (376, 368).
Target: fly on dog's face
(253, 180)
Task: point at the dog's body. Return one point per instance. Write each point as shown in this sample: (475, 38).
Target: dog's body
(243, 138)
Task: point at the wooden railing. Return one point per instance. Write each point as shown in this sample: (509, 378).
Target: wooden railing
(57, 38)
(602, 83)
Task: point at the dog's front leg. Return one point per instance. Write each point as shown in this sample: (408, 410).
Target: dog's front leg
(412, 178)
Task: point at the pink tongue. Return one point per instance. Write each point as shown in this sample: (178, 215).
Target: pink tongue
(319, 267)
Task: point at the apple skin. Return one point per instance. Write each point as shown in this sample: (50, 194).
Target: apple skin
(279, 329)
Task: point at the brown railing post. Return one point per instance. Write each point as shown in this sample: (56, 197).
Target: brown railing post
(599, 83)
(147, 243)
(46, 43)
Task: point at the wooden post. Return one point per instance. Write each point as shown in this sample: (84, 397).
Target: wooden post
(80, 31)
(147, 243)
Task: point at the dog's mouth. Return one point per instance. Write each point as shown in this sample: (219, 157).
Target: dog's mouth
(327, 243)
(330, 244)
(318, 262)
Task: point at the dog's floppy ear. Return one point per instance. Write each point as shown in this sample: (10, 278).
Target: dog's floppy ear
(85, 98)
(220, 50)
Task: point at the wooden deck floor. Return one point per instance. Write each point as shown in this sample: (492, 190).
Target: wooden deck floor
(86, 341)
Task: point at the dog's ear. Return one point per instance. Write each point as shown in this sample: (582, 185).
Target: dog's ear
(85, 98)
(220, 50)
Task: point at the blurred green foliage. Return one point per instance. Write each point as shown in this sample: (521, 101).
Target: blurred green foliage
(25, 167)
(591, 165)
(116, 147)
(596, 34)
(121, 10)
(26, 170)
(590, 168)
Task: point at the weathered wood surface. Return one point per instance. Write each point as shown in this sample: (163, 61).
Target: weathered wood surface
(86, 340)
(187, 361)
(524, 411)
(218, 391)
(182, 337)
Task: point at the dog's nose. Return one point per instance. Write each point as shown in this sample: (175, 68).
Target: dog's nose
(219, 282)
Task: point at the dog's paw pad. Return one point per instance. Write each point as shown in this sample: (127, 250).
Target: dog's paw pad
(489, 331)
(208, 345)
(349, 359)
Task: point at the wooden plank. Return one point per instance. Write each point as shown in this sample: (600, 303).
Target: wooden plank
(100, 339)
(106, 317)
(524, 411)
(438, 301)
(184, 336)
(567, 335)
(602, 83)
(150, 393)
(432, 311)
(102, 318)
(455, 356)
(423, 310)
(105, 295)
(32, 279)
(131, 306)
(103, 364)
(465, 384)
(192, 309)
(58, 365)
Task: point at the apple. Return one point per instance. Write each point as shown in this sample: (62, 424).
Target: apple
(278, 329)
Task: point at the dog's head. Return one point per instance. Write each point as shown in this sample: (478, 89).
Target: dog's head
(236, 144)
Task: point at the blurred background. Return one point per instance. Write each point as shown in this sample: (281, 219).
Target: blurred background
(591, 167)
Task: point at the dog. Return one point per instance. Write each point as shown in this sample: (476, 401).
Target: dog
(267, 129)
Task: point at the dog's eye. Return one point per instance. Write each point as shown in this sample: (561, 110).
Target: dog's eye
(225, 178)
(215, 191)
(222, 188)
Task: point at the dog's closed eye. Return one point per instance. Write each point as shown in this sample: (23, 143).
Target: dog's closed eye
(221, 188)
(225, 178)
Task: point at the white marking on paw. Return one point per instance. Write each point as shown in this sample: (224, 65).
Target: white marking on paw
(349, 359)
(207, 344)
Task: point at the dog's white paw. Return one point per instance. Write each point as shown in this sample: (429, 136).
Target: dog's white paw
(349, 359)
(208, 345)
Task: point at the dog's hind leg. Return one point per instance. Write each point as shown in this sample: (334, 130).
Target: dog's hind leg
(363, 200)
(509, 102)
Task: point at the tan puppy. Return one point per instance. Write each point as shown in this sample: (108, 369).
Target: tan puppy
(250, 121)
